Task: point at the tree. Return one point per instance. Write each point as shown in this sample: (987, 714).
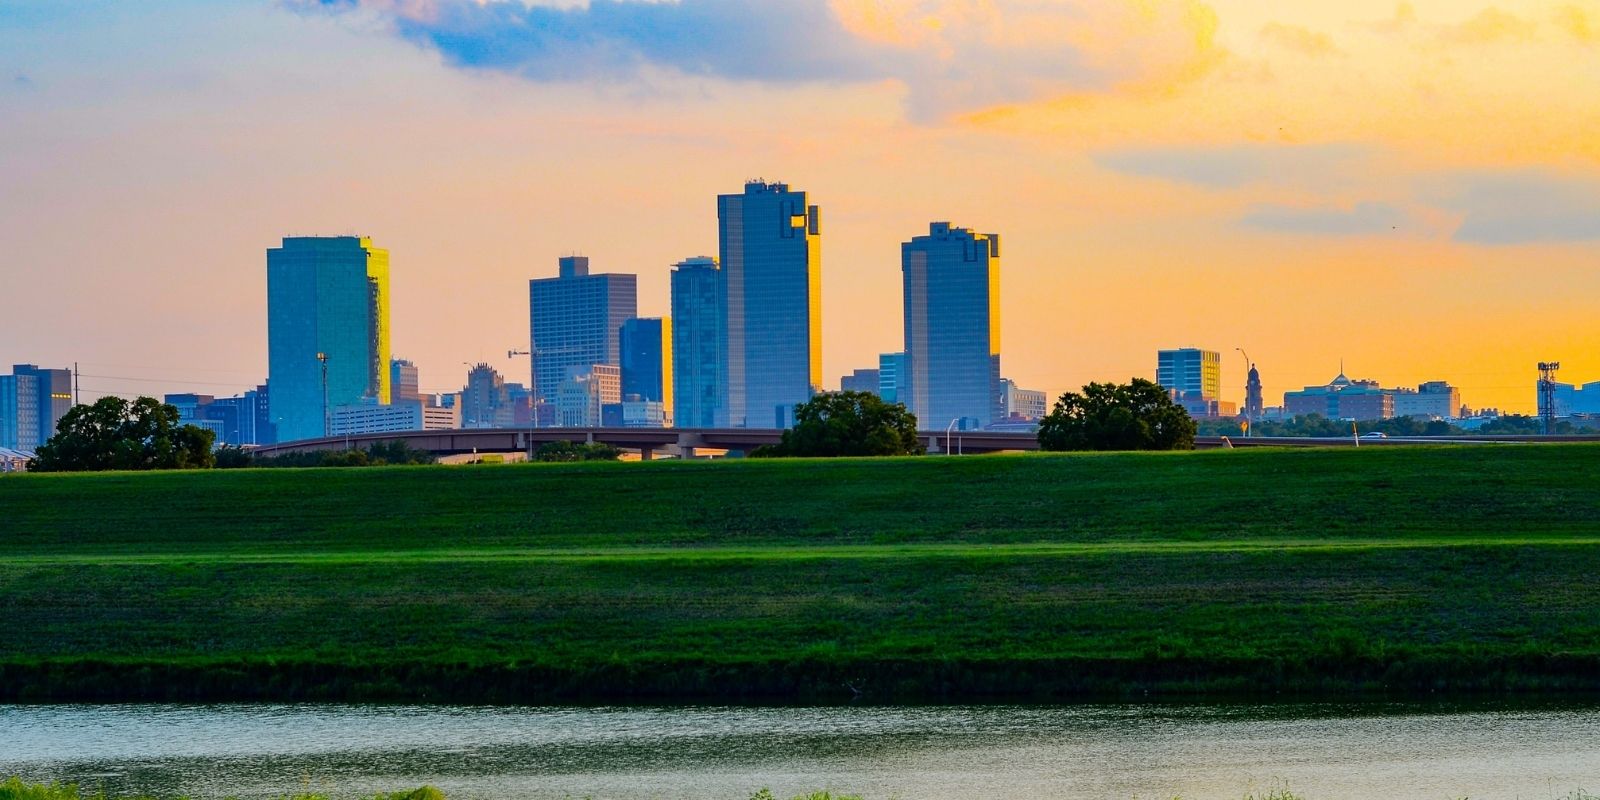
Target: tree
(1109, 416)
(848, 424)
(116, 434)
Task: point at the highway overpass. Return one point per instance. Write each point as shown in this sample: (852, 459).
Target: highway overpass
(686, 442)
(682, 442)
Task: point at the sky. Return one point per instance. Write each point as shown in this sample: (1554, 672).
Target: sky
(1410, 189)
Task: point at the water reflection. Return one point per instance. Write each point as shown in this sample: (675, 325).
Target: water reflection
(702, 753)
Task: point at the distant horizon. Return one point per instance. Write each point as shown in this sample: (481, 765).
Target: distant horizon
(1412, 187)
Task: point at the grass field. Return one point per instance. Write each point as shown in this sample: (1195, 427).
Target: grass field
(1329, 572)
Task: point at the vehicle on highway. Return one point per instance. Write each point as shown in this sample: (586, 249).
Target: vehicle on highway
(1374, 435)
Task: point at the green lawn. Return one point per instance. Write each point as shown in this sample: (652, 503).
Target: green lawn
(1328, 572)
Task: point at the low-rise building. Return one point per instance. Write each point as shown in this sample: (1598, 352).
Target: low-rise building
(1343, 398)
(15, 460)
(1431, 400)
(1022, 405)
(862, 380)
(410, 415)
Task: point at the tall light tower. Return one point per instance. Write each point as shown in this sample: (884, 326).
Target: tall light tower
(1547, 394)
(327, 421)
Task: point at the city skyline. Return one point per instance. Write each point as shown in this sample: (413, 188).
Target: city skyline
(1306, 183)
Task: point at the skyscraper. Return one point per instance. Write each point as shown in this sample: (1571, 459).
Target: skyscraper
(771, 246)
(952, 328)
(574, 321)
(1190, 371)
(646, 346)
(326, 295)
(32, 402)
(699, 369)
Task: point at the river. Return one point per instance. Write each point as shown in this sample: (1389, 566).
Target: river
(1322, 752)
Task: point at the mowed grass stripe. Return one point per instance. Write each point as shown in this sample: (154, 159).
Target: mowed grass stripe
(843, 552)
(1371, 493)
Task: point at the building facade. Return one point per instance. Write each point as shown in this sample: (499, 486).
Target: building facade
(327, 314)
(575, 320)
(1341, 398)
(952, 328)
(403, 381)
(1022, 405)
(699, 365)
(406, 415)
(770, 242)
(861, 380)
(32, 402)
(1431, 400)
(891, 372)
(1191, 371)
(646, 345)
(485, 400)
(583, 396)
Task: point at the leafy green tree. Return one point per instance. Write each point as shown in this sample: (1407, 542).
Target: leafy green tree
(114, 434)
(1110, 416)
(1522, 424)
(848, 424)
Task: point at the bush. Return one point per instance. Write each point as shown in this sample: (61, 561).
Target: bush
(573, 451)
(378, 455)
(229, 457)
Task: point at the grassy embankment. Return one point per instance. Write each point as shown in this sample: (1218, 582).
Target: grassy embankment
(1319, 572)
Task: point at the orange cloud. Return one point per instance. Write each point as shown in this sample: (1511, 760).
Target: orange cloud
(1490, 26)
(1299, 40)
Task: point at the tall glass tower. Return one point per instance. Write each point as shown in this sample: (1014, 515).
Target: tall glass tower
(326, 295)
(646, 345)
(771, 245)
(952, 325)
(699, 370)
(575, 320)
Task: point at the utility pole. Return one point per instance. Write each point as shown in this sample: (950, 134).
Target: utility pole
(533, 396)
(1249, 420)
(535, 392)
(77, 396)
(1547, 394)
(327, 421)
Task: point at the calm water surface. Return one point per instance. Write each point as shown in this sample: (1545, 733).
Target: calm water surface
(1323, 752)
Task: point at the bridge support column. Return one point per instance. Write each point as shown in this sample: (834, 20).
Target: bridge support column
(687, 442)
(647, 453)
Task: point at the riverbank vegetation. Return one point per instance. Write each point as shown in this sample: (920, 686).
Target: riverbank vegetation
(1420, 572)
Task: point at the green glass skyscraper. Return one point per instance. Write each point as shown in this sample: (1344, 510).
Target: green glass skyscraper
(329, 297)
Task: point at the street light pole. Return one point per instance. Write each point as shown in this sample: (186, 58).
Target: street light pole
(533, 396)
(1249, 418)
(327, 420)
